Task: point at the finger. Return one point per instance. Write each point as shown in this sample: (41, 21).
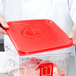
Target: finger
(3, 22)
(74, 42)
(73, 32)
(2, 31)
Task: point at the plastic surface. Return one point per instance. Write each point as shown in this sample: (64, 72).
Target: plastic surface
(43, 65)
(35, 36)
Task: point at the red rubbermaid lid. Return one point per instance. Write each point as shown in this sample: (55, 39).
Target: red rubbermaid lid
(35, 36)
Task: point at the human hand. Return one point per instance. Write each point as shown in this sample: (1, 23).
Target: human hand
(73, 35)
(3, 24)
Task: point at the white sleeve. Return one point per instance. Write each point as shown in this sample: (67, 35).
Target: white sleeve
(73, 11)
(1, 7)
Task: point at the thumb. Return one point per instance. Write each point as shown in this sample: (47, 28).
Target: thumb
(71, 35)
(73, 32)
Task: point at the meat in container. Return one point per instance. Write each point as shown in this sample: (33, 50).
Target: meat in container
(37, 42)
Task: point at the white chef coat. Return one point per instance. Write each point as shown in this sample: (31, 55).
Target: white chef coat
(62, 12)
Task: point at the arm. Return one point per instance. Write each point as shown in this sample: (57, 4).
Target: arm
(73, 16)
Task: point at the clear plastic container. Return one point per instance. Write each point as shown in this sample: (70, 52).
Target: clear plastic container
(35, 65)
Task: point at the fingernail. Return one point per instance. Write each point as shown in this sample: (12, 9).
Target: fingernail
(71, 35)
(6, 26)
(74, 40)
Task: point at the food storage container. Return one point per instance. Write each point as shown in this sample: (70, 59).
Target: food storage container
(37, 43)
(43, 65)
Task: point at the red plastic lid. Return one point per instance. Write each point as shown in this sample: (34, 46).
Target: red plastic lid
(35, 36)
